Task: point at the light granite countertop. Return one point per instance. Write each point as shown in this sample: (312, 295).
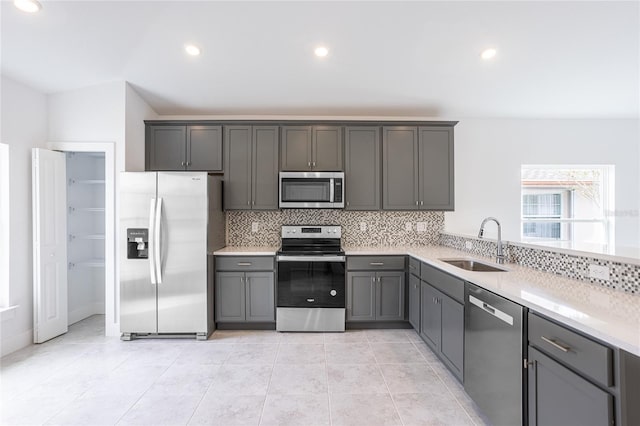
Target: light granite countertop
(246, 251)
(606, 314)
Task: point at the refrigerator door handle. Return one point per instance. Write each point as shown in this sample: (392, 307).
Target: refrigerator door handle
(158, 241)
(152, 241)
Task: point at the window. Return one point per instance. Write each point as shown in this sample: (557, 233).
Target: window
(4, 225)
(567, 203)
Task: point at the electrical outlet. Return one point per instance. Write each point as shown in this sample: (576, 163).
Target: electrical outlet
(468, 245)
(599, 272)
(254, 226)
(421, 226)
(363, 226)
(408, 227)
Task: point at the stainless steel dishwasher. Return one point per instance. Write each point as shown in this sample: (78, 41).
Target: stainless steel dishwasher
(494, 355)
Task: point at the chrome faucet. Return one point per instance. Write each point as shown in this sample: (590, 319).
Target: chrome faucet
(500, 257)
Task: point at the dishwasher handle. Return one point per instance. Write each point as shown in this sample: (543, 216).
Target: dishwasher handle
(502, 316)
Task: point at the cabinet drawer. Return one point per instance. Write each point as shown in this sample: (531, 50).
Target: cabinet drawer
(444, 282)
(582, 354)
(375, 262)
(244, 263)
(414, 266)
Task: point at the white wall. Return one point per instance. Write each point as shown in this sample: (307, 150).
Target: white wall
(23, 126)
(95, 114)
(136, 111)
(489, 153)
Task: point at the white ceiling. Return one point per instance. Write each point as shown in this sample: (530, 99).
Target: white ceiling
(555, 59)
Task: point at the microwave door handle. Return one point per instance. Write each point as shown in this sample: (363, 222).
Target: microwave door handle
(331, 190)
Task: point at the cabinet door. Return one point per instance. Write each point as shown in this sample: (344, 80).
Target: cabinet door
(430, 316)
(204, 148)
(237, 176)
(414, 302)
(390, 296)
(557, 396)
(295, 150)
(265, 168)
(452, 337)
(260, 296)
(436, 168)
(362, 168)
(361, 293)
(230, 296)
(399, 168)
(166, 147)
(326, 149)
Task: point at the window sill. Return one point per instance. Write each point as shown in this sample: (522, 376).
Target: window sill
(8, 313)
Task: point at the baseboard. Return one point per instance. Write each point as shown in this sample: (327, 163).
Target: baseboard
(366, 325)
(85, 312)
(14, 343)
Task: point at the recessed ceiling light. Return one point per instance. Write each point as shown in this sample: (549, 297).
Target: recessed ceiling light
(488, 53)
(192, 49)
(321, 51)
(29, 6)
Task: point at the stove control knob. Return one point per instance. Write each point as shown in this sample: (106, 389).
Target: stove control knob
(333, 292)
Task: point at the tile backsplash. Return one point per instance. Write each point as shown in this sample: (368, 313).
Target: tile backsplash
(622, 276)
(359, 228)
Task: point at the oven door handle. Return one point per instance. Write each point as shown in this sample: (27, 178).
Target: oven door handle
(310, 258)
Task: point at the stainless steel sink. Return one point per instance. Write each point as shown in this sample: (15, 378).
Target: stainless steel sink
(473, 265)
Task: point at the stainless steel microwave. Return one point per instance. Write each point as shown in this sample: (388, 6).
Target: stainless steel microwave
(311, 190)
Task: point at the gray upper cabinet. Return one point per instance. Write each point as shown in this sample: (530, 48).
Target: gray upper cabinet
(435, 148)
(399, 168)
(251, 164)
(193, 148)
(362, 168)
(311, 148)
(417, 171)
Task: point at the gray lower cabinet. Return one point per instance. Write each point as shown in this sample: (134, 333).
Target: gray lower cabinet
(417, 168)
(414, 302)
(251, 164)
(311, 148)
(183, 147)
(442, 327)
(558, 396)
(375, 296)
(244, 289)
(362, 167)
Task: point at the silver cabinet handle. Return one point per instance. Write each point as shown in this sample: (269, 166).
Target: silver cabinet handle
(313, 164)
(416, 203)
(347, 203)
(376, 263)
(309, 164)
(378, 279)
(556, 344)
(244, 263)
(421, 203)
(373, 279)
(183, 164)
(248, 203)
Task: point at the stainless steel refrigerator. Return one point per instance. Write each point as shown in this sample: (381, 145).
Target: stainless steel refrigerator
(170, 223)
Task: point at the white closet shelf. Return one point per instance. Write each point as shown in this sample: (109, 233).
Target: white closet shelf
(87, 263)
(86, 181)
(86, 209)
(86, 237)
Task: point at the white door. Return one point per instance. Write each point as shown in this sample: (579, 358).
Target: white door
(49, 244)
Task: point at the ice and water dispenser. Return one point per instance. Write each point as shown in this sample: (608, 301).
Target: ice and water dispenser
(137, 243)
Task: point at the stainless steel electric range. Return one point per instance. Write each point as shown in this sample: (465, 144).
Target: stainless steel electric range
(311, 279)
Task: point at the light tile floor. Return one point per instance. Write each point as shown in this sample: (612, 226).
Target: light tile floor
(372, 377)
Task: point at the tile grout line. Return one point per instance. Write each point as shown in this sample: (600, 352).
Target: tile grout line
(395, 407)
(273, 366)
(326, 371)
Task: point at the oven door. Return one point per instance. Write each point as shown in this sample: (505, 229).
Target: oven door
(311, 282)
